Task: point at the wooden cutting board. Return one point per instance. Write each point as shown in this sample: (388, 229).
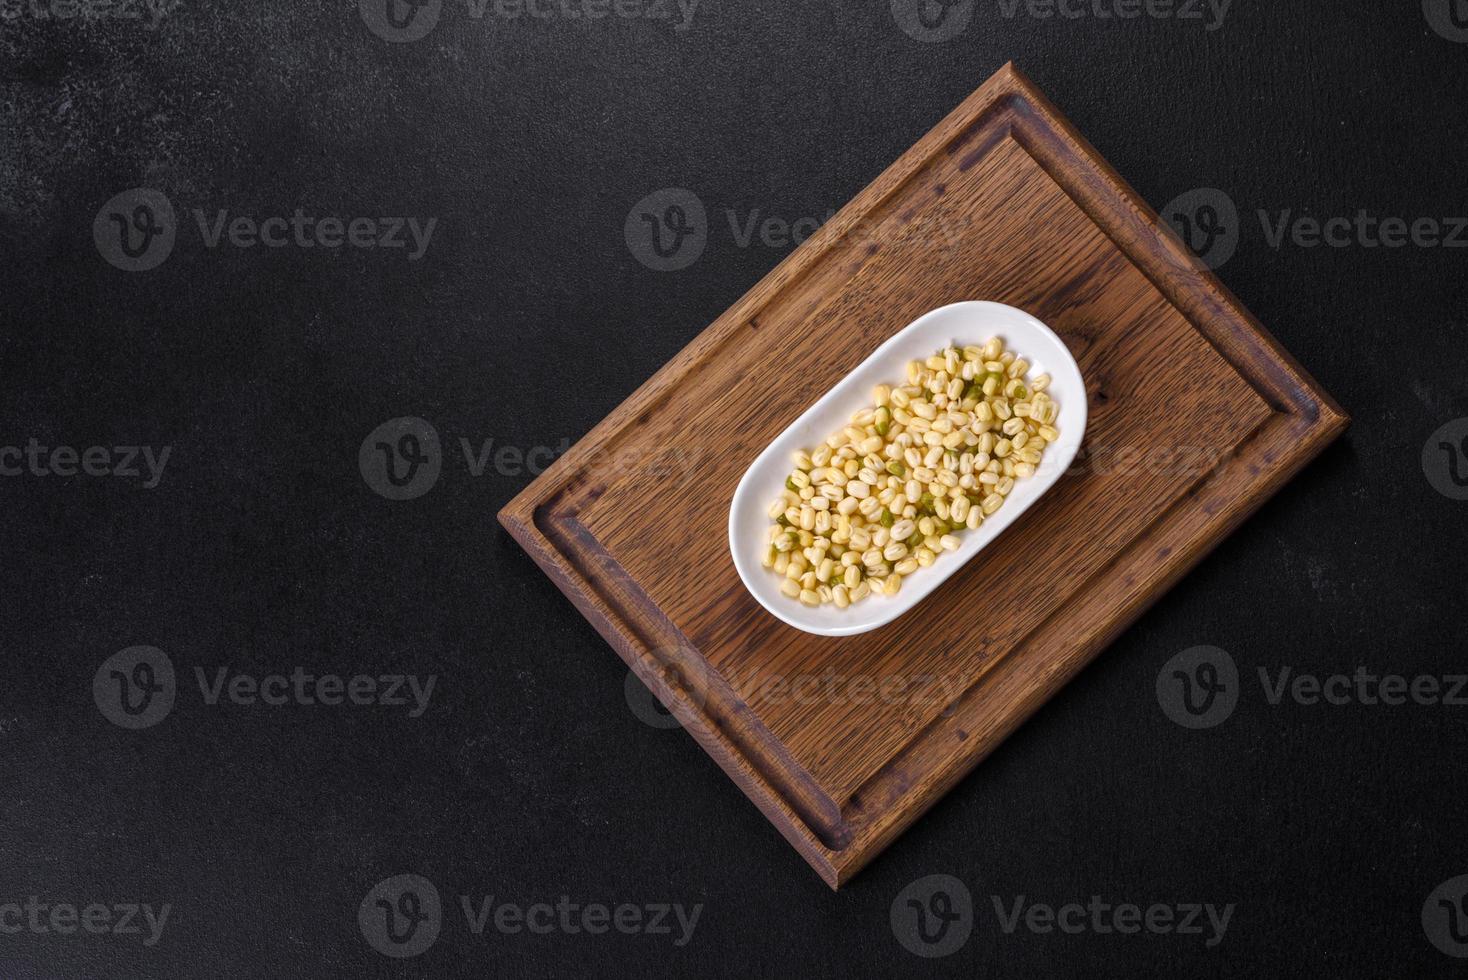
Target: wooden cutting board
(1197, 416)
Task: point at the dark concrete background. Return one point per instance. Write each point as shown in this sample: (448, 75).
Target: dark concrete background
(526, 321)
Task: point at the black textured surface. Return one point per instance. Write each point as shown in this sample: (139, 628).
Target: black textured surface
(526, 320)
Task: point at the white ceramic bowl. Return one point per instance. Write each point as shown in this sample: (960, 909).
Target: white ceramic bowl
(960, 324)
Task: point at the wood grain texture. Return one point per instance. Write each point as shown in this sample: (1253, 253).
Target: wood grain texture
(1196, 417)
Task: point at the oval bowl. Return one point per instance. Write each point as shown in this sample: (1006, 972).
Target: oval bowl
(960, 324)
